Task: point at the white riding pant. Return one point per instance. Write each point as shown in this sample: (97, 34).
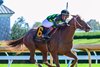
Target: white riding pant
(47, 24)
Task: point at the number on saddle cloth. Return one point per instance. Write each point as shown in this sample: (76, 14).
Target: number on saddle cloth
(40, 32)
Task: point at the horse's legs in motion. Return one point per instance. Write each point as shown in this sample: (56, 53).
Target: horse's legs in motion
(32, 58)
(32, 51)
(31, 46)
(55, 58)
(45, 61)
(44, 52)
(70, 54)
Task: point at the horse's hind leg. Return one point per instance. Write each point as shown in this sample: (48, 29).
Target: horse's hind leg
(32, 59)
(70, 54)
(45, 61)
(32, 52)
(44, 51)
(31, 48)
(55, 58)
(28, 42)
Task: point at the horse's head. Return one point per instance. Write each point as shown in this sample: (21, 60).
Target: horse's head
(77, 22)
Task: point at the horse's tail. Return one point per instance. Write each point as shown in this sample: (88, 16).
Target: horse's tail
(17, 42)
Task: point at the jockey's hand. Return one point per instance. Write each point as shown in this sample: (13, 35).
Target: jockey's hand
(65, 23)
(58, 25)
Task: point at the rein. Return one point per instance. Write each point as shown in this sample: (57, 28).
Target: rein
(76, 22)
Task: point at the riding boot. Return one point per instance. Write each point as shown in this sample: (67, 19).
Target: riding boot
(46, 35)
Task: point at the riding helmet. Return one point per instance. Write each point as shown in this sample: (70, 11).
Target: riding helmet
(64, 12)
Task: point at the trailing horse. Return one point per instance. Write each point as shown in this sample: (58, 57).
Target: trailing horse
(61, 41)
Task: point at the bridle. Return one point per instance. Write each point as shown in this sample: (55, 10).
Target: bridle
(76, 22)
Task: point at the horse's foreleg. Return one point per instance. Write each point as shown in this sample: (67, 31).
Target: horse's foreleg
(70, 54)
(55, 58)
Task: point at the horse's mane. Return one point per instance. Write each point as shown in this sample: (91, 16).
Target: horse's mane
(64, 25)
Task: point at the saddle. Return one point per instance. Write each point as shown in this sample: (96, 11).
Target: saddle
(41, 31)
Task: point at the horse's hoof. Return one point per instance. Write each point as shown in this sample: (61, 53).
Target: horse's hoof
(49, 65)
(71, 66)
(53, 66)
(39, 65)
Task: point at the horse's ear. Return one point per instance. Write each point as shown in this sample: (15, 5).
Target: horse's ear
(78, 16)
(73, 15)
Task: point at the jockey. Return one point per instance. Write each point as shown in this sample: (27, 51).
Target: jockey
(52, 21)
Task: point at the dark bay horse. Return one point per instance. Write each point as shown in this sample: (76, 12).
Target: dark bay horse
(61, 41)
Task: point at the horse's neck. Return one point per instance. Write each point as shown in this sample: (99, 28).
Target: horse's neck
(67, 34)
(71, 32)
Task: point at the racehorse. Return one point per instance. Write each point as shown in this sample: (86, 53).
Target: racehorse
(61, 41)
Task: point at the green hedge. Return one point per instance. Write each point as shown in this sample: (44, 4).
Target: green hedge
(86, 35)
